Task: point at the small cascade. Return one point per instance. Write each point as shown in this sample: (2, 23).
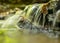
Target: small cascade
(33, 18)
(34, 14)
(56, 18)
(11, 21)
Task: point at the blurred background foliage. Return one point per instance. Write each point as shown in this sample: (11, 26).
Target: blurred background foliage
(23, 1)
(11, 4)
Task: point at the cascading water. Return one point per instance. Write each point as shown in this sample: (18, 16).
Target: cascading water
(56, 18)
(34, 13)
(11, 21)
(34, 19)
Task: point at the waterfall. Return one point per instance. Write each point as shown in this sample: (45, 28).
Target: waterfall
(33, 13)
(11, 21)
(56, 17)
